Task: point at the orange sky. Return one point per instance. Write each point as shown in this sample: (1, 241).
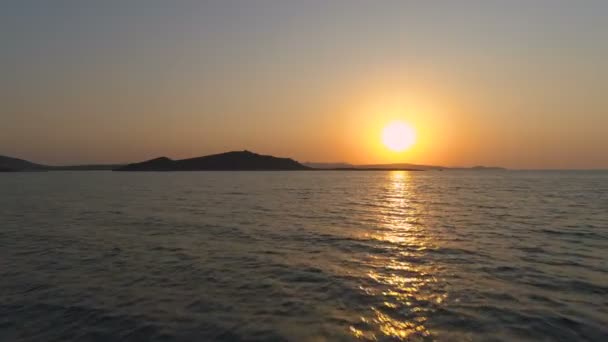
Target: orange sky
(483, 83)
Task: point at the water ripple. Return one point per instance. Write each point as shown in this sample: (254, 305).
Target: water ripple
(323, 256)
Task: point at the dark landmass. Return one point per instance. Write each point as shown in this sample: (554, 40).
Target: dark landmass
(16, 164)
(8, 164)
(157, 164)
(229, 161)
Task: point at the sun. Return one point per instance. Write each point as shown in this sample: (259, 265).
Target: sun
(398, 136)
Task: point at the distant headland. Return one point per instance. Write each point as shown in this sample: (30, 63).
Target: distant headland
(10, 164)
(228, 161)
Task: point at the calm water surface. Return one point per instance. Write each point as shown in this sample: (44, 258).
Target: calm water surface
(304, 256)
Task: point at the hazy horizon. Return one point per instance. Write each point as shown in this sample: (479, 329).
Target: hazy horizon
(315, 162)
(514, 84)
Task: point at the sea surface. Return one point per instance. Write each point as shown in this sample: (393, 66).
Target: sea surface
(304, 256)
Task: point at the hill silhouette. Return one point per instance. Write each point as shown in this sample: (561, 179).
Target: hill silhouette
(228, 161)
(16, 164)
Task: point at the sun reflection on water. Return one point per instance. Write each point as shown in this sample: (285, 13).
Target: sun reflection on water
(402, 282)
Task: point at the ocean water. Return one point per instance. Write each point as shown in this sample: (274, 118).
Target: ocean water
(304, 256)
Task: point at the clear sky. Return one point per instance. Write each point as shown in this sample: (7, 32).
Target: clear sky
(521, 84)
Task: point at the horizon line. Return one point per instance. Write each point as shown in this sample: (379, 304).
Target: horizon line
(453, 167)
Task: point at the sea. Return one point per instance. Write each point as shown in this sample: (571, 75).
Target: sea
(304, 256)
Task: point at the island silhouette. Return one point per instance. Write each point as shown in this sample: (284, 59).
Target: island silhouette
(10, 164)
(227, 161)
(235, 160)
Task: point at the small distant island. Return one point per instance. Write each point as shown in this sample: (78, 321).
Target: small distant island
(10, 164)
(228, 161)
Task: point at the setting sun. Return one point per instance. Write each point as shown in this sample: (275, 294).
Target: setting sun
(398, 136)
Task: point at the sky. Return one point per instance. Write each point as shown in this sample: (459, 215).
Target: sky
(519, 84)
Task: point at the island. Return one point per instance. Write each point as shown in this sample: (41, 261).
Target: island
(228, 161)
(10, 164)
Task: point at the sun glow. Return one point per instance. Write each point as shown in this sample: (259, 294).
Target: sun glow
(398, 136)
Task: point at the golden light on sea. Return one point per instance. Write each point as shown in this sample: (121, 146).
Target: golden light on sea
(396, 279)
